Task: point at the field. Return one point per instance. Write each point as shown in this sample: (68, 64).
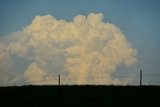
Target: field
(85, 95)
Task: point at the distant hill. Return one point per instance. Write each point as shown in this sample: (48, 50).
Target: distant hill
(85, 95)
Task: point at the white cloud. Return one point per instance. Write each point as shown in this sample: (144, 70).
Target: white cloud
(86, 47)
(37, 76)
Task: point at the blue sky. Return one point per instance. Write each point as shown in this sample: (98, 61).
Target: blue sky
(139, 20)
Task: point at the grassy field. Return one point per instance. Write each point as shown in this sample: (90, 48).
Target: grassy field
(73, 96)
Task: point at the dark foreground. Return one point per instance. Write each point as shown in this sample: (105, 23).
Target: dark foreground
(73, 96)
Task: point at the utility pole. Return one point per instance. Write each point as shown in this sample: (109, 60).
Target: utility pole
(140, 77)
(59, 80)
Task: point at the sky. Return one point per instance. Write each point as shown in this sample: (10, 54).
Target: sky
(139, 20)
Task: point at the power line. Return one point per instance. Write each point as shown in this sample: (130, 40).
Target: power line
(64, 79)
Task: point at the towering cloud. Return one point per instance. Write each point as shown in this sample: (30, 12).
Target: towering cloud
(84, 48)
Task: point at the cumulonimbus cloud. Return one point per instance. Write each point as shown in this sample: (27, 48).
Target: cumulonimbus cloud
(83, 48)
